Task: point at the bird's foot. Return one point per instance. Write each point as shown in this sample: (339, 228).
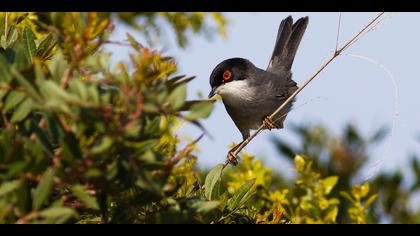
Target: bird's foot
(231, 158)
(269, 124)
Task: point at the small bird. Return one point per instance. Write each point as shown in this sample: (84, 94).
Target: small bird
(251, 94)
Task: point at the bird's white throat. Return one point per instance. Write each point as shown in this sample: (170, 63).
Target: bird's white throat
(237, 92)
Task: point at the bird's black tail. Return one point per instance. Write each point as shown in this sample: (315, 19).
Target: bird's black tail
(287, 43)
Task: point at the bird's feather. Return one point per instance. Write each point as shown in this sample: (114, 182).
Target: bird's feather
(288, 39)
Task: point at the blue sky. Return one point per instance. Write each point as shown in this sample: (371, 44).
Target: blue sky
(350, 89)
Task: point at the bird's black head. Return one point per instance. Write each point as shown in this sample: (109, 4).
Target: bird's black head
(227, 71)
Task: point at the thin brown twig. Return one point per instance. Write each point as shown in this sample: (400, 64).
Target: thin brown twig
(66, 77)
(336, 53)
(338, 32)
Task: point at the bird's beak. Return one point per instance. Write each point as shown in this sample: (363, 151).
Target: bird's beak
(212, 92)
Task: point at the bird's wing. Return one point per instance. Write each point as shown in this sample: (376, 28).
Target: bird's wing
(287, 43)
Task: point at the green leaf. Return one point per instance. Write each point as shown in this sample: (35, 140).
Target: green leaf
(58, 65)
(29, 42)
(13, 99)
(364, 189)
(39, 74)
(347, 196)
(224, 200)
(43, 139)
(50, 88)
(60, 214)
(104, 145)
(22, 111)
(211, 180)
(200, 110)
(136, 45)
(217, 190)
(86, 198)
(329, 183)
(93, 94)
(3, 42)
(241, 195)
(8, 187)
(205, 206)
(79, 87)
(177, 97)
(12, 38)
(331, 216)
(44, 50)
(299, 163)
(5, 74)
(26, 84)
(370, 200)
(43, 190)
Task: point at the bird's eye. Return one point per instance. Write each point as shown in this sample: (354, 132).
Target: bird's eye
(227, 75)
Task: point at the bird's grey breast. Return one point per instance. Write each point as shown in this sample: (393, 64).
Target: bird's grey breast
(249, 101)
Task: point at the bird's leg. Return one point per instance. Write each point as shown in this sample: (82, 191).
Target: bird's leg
(269, 124)
(231, 158)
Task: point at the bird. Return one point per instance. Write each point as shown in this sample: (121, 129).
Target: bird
(250, 94)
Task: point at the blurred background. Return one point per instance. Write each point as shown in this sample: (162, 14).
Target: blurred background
(358, 118)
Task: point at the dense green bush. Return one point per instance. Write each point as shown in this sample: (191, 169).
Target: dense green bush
(81, 142)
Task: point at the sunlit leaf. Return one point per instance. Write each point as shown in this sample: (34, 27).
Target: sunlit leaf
(59, 214)
(211, 180)
(45, 48)
(85, 197)
(364, 189)
(205, 206)
(43, 190)
(370, 200)
(8, 187)
(329, 183)
(241, 195)
(104, 144)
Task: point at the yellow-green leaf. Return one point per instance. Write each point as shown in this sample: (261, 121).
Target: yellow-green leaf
(329, 183)
(370, 200)
(8, 187)
(299, 163)
(86, 198)
(241, 195)
(364, 189)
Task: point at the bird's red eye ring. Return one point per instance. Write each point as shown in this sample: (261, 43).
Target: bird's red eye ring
(227, 75)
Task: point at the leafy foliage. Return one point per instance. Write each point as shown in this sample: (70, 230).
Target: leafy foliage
(345, 156)
(81, 141)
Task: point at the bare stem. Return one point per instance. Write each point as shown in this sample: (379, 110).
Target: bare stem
(338, 32)
(6, 27)
(66, 77)
(335, 54)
